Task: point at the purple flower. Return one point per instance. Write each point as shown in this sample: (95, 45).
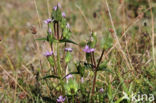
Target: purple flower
(48, 53)
(101, 90)
(50, 30)
(59, 5)
(82, 80)
(69, 76)
(64, 14)
(68, 26)
(60, 99)
(55, 8)
(68, 49)
(47, 21)
(87, 49)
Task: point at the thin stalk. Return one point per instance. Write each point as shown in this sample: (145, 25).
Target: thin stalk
(39, 20)
(58, 57)
(73, 99)
(57, 30)
(93, 58)
(152, 40)
(48, 8)
(117, 39)
(95, 72)
(51, 45)
(15, 87)
(55, 70)
(66, 72)
(58, 60)
(59, 68)
(55, 33)
(57, 44)
(64, 53)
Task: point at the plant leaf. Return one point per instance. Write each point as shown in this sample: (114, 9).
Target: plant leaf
(51, 76)
(68, 57)
(68, 41)
(110, 92)
(69, 74)
(102, 67)
(89, 66)
(42, 38)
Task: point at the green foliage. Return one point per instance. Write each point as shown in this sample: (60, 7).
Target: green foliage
(63, 23)
(56, 15)
(42, 39)
(71, 87)
(51, 76)
(106, 42)
(110, 92)
(68, 57)
(51, 60)
(67, 41)
(93, 40)
(88, 57)
(102, 67)
(80, 69)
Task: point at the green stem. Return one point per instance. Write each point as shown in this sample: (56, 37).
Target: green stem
(59, 68)
(73, 99)
(58, 60)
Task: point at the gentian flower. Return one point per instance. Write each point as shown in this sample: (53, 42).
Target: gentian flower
(87, 49)
(68, 26)
(50, 30)
(82, 80)
(59, 5)
(101, 90)
(48, 53)
(68, 49)
(64, 14)
(69, 76)
(47, 21)
(55, 8)
(60, 99)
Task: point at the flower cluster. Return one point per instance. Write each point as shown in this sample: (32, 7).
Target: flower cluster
(68, 26)
(48, 53)
(101, 90)
(68, 49)
(69, 76)
(58, 20)
(60, 99)
(55, 7)
(87, 49)
(64, 14)
(48, 21)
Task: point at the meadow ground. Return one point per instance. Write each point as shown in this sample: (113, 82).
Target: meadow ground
(130, 61)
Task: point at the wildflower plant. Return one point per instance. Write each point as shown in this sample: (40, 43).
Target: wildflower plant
(68, 87)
